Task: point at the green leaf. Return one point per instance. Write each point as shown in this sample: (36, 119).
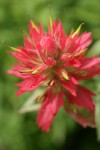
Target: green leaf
(30, 104)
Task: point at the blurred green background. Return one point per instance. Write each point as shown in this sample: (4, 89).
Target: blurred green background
(19, 131)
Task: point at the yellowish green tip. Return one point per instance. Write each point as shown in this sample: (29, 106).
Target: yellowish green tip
(34, 26)
(77, 31)
(51, 24)
(14, 49)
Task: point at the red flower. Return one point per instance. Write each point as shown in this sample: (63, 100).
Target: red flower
(59, 61)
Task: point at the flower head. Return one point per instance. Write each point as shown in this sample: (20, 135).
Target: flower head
(57, 61)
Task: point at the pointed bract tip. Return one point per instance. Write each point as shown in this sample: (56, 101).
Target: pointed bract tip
(14, 49)
(51, 23)
(34, 26)
(77, 30)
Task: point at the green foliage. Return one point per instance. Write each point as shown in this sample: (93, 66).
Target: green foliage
(18, 131)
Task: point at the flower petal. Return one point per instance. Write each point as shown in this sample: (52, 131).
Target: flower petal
(83, 116)
(18, 74)
(73, 62)
(49, 108)
(29, 84)
(84, 40)
(70, 85)
(36, 32)
(50, 61)
(83, 98)
(90, 62)
(48, 44)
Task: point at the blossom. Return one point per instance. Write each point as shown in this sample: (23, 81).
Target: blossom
(57, 61)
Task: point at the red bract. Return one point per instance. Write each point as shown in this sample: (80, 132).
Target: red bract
(57, 62)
